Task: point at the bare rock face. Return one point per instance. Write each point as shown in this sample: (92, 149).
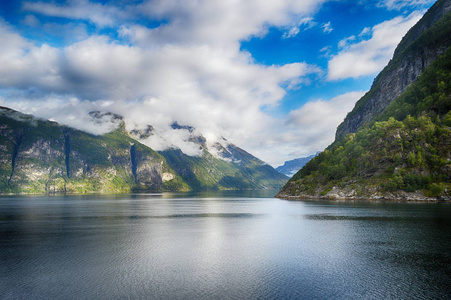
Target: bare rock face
(408, 62)
(167, 176)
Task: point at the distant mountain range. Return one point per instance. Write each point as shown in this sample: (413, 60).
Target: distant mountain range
(396, 142)
(40, 156)
(291, 167)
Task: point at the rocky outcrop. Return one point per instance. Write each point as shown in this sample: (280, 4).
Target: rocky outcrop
(374, 193)
(408, 62)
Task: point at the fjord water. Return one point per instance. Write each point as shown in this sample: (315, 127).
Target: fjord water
(228, 245)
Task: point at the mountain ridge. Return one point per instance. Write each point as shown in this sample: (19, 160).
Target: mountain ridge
(396, 148)
(408, 62)
(291, 167)
(40, 156)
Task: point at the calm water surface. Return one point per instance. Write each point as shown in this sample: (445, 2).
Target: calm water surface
(221, 245)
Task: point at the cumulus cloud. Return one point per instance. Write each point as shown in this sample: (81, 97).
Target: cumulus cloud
(196, 45)
(368, 56)
(24, 65)
(319, 119)
(307, 130)
(222, 22)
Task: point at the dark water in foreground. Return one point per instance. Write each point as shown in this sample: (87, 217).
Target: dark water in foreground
(229, 245)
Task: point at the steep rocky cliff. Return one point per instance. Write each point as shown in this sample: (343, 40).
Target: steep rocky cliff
(423, 44)
(396, 143)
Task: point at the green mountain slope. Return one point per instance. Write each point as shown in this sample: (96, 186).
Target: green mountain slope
(421, 46)
(208, 172)
(39, 156)
(219, 166)
(402, 151)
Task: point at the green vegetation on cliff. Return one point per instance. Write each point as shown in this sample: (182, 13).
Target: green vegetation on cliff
(410, 155)
(405, 149)
(422, 45)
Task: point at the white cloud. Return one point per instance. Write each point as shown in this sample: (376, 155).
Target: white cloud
(292, 32)
(305, 131)
(369, 56)
(99, 14)
(305, 23)
(313, 125)
(346, 41)
(222, 22)
(168, 138)
(365, 31)
(190, 70)
(195, 54)
(31, 20)
(65, 110)
(24, 65)
(324, 116)
(327, 27)
(69, 33)
(399, 4)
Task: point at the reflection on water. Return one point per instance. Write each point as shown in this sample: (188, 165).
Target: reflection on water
(230, 245)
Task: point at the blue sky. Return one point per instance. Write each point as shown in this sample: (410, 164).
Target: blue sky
(273, 77)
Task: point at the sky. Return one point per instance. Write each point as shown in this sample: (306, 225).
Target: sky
(274, 77)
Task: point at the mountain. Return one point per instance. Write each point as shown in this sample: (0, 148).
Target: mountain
(396, 142)
(422, 45)
(219, 165)
(291, 167)
(40, 156)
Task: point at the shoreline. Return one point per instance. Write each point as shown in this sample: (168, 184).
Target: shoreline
(361, 199)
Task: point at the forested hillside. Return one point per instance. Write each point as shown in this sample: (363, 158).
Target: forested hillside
(402, 152)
